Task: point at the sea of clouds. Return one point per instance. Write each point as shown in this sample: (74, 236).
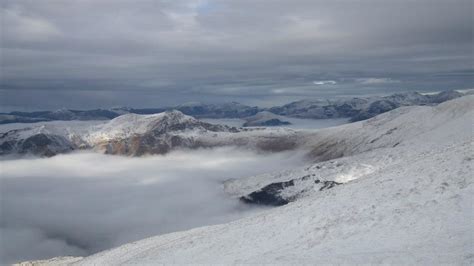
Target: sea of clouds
(81, 203)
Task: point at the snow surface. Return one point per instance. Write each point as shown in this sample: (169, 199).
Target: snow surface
(127, 125)
(407, 198)
(80, 127)
(51, 262)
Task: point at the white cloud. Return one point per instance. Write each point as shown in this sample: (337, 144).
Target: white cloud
(324, 82)
(82, 203)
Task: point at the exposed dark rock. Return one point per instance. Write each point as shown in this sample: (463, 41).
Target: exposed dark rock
(44, 145)
(269, 195)
(327, 184)
(390, 131)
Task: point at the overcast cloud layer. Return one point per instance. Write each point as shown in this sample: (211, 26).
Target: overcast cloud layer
(83, 54)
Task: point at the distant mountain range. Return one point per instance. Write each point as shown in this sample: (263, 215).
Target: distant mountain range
(136, 134)
(355, 108)
(360, 108)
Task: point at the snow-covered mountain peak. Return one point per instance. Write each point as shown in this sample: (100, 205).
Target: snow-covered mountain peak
(134, 124)
(265, 118)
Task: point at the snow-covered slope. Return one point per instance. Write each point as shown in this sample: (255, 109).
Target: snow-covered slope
(264, 119)
(404, 126)
(405, 197)
(360, 108)
(45, 138)
(128, 125)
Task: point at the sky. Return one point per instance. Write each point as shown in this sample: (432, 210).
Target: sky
(104, 53)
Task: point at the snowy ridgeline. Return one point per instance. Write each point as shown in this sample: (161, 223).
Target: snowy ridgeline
(350, 108)
(397, 188)
(159, 133)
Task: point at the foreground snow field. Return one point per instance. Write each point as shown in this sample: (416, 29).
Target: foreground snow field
(406, 197)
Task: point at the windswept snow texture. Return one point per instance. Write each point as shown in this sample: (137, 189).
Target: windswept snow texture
(81, 203)
(406, 198)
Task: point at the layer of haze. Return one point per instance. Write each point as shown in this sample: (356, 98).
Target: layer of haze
(82, 203)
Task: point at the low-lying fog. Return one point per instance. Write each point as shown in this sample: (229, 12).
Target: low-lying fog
(81, 203)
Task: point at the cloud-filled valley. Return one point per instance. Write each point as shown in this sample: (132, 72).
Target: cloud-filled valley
(81, 203)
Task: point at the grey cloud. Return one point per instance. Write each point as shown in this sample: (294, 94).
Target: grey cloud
(171, 48)
(377, 81)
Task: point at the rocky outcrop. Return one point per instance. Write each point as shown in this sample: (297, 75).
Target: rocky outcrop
(269, 195)
(282, 193)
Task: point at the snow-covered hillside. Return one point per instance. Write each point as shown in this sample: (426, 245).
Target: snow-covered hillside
(360, 108)
(404, 196)
(265, 118)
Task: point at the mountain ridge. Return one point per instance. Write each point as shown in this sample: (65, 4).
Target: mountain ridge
(356, 109)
